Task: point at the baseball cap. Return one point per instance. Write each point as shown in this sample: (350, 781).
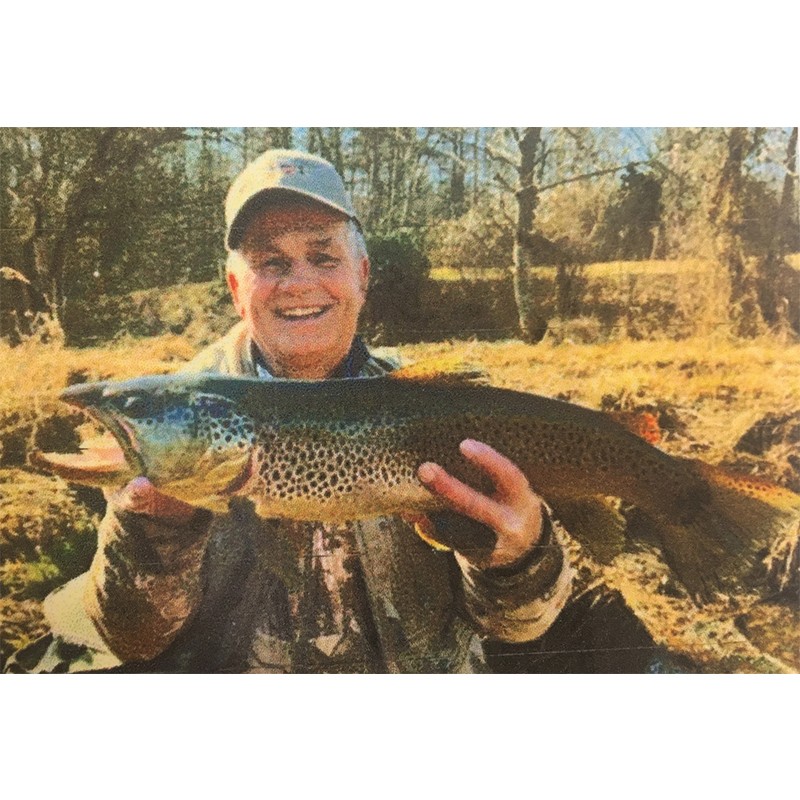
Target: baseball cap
(282, 171)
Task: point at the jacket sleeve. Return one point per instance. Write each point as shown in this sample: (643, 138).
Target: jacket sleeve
(145, 581)
(520, 602)
(144, 584)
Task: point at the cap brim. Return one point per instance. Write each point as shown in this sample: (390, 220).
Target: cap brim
(272, 196)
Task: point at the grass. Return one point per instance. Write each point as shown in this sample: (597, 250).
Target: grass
(611, 270)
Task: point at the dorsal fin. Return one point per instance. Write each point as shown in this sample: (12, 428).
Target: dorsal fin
(443, 369)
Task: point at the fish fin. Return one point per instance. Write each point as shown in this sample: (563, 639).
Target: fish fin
(725, 544)
(643, 423)
(444, 369)
(426, 531)
(596, 523)
(736, 486)
(448, 530)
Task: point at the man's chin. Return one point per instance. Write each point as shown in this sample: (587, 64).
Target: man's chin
(308, 361)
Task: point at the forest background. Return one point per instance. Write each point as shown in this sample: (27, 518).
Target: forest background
(491, 232)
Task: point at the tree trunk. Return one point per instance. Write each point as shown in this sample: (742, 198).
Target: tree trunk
(458, 177)
(727, 218)
(788, 238)
(778, 305)
(476, 166)
(279, 138)
(376, 196)
(532, 322)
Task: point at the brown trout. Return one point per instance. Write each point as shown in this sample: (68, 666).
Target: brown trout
(347, 449)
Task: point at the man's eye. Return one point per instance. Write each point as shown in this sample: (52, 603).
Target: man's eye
(324, 260)
(274, 265)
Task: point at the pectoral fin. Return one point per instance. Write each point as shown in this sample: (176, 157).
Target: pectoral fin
(596, 523)
(447, 530)
(424, 528)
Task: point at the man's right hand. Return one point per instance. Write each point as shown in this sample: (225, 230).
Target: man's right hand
(141, 497)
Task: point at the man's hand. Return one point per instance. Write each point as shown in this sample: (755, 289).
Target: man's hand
(513, 511)
(141, 497)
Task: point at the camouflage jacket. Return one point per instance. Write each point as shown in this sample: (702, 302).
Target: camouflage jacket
(237, 593)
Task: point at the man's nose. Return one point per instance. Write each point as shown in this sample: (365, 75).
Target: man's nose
(298, 278)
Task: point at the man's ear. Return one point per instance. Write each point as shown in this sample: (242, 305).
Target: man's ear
(233, 285)
(363, 275)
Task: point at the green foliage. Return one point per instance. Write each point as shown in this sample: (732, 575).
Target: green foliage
(30, 580)
(47, 536)
(399, 269)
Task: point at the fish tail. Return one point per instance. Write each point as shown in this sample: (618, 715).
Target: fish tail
(722, 543)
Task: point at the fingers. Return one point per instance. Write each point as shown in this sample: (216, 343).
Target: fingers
(513, 511)
(509, 480)
(460, 497)
(141, 497)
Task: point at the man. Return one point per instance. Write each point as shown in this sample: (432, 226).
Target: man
(172, 588)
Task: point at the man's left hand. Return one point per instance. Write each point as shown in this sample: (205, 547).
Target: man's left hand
(513, 511)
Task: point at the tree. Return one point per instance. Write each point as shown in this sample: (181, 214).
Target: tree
(388, 172)
(788, 224)
(727, 219)
(542, 162)
(689, 160)
(632, 218)
(785, 238)
(478, 239)
(327, 142)
(65, 187)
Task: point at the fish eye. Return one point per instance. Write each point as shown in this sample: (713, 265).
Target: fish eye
(136, 406)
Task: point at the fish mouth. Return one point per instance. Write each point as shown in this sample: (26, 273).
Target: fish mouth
(296, 314)
(107, 459)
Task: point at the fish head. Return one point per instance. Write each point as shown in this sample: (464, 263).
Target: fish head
(187, 440)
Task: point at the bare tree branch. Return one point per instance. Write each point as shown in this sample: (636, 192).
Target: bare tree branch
(574, 136)
(588, 175)
(510, 220)
(502, 155)
(645, 145)
(504, 183)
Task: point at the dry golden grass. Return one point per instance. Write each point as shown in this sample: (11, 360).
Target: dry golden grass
(722, 385)
(615, 270)
(33, 370)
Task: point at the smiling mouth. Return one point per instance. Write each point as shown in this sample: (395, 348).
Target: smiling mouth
(301, 313)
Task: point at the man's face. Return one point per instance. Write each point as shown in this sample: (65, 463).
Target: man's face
(302, 288)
